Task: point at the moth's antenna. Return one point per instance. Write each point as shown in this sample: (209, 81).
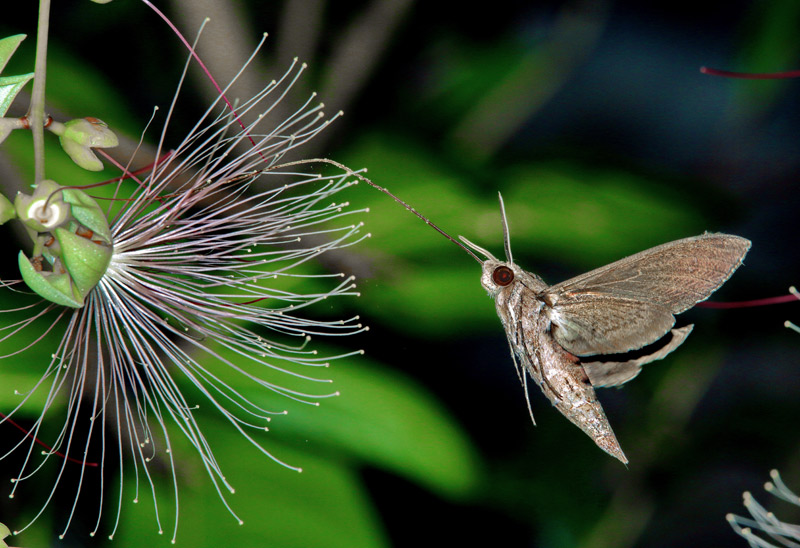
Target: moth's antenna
(506, 239)
(385, 191)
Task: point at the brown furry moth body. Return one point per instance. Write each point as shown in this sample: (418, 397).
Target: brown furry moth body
(553, 331)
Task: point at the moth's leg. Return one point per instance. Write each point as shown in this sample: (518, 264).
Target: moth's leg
(523, 379)
(527, 394)
(550, 386)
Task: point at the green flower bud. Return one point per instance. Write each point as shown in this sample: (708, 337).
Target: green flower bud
(90, 132)
(78, 138)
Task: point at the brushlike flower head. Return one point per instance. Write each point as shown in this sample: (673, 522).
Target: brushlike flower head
(765, 522)
(208, 257)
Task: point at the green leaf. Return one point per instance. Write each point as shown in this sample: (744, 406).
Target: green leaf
(769, 45)
(10, 86)
(382, 418)
(588, 218)
(7, 48)
(325, 505)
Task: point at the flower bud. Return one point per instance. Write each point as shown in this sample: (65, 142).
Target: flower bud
(81, 135)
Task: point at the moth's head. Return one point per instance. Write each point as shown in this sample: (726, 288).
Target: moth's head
(496, 274)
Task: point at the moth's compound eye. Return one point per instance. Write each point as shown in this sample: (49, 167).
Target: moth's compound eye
(502, 276)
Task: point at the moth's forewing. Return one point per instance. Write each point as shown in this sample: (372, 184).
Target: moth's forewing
(631, 303)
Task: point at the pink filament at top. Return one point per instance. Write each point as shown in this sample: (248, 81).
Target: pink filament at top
(205, 69)
(751, 75)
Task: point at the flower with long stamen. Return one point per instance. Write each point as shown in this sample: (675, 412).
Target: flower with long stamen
(764, 522)
(196, 273)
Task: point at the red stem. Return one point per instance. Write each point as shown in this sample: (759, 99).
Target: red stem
(751, 75)
(50, 449)
(746, 304)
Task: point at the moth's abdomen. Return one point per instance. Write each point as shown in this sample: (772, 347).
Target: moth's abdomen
(562, 379)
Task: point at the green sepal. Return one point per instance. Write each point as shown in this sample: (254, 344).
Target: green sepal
(7, 210)
(57, 288)
(87, 212)
(4, 532)
(85, 261)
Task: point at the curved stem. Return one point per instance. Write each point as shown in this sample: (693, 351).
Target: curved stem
(37, 97)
